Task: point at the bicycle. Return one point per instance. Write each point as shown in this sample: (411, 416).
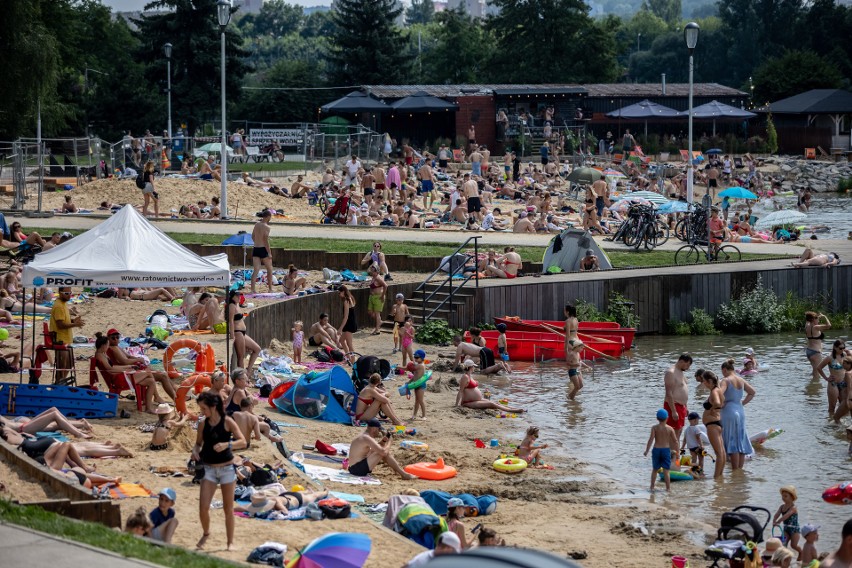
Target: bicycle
(691, 253)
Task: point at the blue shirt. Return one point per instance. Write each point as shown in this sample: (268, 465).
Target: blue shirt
(157, 517)
(544, 151)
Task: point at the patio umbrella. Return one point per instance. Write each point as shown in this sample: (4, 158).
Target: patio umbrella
(215, 147)
(716, 110)
(421, 101)
(651, 196)
(609, 172)
(584, 175)
(644, 110)
(334, 550)
(674, 207)
(241, 239)
(356, 102)
(713, 152)
(737, 193)
(783, 217)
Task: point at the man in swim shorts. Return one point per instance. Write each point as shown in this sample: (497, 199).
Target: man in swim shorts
(261, 253)
(677, 394)
(365, 452)
(323, 333)
(487, 364)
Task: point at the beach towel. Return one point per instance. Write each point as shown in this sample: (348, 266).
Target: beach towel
(338, 475)
(270, 296)
(193, 332)
(322, 458)
(125, 490)
(347, 497)
(55, 435)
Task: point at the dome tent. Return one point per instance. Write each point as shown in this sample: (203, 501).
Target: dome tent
(327, 395)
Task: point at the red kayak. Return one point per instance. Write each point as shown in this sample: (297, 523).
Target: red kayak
(537, 346)
(604, 329)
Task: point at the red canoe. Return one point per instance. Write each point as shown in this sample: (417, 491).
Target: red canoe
(536, 346)
(611, 330)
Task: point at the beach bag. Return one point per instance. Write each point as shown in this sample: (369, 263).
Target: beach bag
(262, 476)
(140, 180)
(335, 508)
(267, 555)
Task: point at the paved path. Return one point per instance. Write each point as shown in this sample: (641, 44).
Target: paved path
(490, 239)
(26, 548)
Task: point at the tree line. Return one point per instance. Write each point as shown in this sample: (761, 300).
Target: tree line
(92, 72)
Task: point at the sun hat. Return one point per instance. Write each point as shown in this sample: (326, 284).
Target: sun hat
(450, 539)
(260, 504)
(419, 354)
(772, 545)
(163, 408)
(468, 363)
(791, 489)
(808, 529)
(454, 502)
(662, 414)
(168, 493)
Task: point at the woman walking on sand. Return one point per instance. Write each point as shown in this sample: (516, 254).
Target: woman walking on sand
(349, 322)
(148, 190)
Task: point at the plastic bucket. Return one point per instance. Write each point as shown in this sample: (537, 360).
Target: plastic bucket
(403, 390)
(679, 562)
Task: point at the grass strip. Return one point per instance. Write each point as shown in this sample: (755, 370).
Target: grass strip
(105, 538)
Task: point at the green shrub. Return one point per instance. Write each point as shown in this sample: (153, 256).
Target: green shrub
(677, 327)
(587, 311)
(436, 332)
(756, 311)
(620, 309)
(702, 323)
(844, 185)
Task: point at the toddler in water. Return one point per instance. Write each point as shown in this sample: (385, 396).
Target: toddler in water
(503, 347)
(528, 451)
(407, 334)
(788, 515)
(663, 439)
(298, 341)
(809, 551)
(398, 313)
(694, 437)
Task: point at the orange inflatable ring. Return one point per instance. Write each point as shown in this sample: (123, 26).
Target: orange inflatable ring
(278, 391)
(196, 382)
(180, 344)
(431, 471)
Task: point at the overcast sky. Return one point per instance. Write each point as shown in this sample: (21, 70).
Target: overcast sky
(133, 5)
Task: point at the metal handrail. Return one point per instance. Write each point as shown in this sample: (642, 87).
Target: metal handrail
(449, 279)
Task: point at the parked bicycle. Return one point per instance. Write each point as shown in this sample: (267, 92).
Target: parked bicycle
(693, 252)
(642, 227)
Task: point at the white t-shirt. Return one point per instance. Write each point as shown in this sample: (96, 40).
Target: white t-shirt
(696, 436)
(421, 559)
(487, 221)
(353, 167)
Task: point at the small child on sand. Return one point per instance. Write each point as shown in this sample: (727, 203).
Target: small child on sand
(503, 347)
(138, 524)
(528, 451)
(663, 439)
(809, 551)
(407, 334)
(163, 520)
(788, 516)
(420, 392)
(160, 439)
(298, 340)
(398, 313)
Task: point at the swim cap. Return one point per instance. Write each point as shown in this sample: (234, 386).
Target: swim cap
(419, 354)
(662, 414)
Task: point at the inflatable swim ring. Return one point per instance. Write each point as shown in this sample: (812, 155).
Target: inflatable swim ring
(510, 465)
(414, 445)
(278, 391)
(405, 390)
(840, 494)
(747, 372)
(196, 382)
(761, 437)
(676, 475)
(431, 471)
(204, 354)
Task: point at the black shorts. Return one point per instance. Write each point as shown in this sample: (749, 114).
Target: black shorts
(368, 191)
(360, 469)
(442, 163)
(312, 342)
(474, 204)
(712, 182)
(486, 358)
(518, 195)
(259, 252)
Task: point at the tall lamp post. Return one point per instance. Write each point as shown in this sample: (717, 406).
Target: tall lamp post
(224, 13)
(167, 51)
(690, 34)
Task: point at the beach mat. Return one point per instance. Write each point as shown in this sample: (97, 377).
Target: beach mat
(125, 490)
(338, 475)
(193, 332)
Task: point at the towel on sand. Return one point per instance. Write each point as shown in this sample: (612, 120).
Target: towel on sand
(338, 475)
(125, 490)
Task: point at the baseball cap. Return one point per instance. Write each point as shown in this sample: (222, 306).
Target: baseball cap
(168, 493)
(693, 416)
(468, 363)
(590, 252)
(454, 502)
(450, 539)
(373, 423)
(400, 296)
(113, 331)
(806, 529)
(662, 414)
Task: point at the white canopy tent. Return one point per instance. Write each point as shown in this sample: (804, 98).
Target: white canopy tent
(125, 251)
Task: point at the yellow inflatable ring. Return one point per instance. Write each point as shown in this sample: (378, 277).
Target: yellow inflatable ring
(510, 465)
(414, 445)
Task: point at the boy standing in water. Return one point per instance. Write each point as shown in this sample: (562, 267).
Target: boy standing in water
(663, 439)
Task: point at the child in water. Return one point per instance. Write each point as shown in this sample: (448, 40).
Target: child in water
(503, 347)
(575, 371)
(788, 516)
(694, 437)
(663, 439)
(298, 341)
(528, 451)
(809, 551)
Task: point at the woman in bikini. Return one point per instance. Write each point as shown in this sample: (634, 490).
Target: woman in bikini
(9, 303)
(239, 378)
(51, 420)
(470, 396)
(242, 342)
(814, 334)
(161, 294)
(120, 374)
(164, 425)
(507, 266)
(293, 282)
(836, 389)
(349, 322)
(712, 417)
(372, 399)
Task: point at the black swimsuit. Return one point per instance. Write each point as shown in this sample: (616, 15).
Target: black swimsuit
(707, 406)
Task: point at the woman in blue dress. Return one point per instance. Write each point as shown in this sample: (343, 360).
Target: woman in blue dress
(734, 434)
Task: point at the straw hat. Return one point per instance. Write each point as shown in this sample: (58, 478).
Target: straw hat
(772, 545)
(163, 408)
(791, 490)
(260, 504)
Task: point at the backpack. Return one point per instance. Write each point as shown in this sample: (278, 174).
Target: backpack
(335, 508)
(140, 180)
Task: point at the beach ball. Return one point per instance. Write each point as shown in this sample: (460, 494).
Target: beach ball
(4, 334)
(297, 488)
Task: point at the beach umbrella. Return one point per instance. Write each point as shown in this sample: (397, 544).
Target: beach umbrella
(716, 110)
(713, 152)
(334, 550)
(500, 557)
(609, 172)
(651, 196)
(584, 175)
(783, 217)
(624, 205)
(737, 193)
(241, 239)
(675, 206)
(215, 147)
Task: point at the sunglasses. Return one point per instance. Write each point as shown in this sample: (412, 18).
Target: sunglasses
(114, 336)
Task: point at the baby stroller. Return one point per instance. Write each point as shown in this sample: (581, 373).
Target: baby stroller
(365, 366)
(737, 527)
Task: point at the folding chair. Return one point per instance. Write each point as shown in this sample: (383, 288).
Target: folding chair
(50, 345)
(116, 386)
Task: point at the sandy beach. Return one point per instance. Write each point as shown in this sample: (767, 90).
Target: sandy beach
(564, 510)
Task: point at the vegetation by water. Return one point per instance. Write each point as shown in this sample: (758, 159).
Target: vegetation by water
(618, 309)
(435, 332)
(701, 323)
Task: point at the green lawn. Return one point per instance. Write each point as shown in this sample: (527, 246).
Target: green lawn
(644, 259)
(105, 538)
(273, 166)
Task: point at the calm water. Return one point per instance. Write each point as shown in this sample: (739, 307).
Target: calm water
(608, 426)
(832, 209)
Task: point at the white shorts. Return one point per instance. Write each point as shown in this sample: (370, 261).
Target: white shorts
(220, 474)
(149, 188)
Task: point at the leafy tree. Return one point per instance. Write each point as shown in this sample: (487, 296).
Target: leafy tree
(644, 24)
(795, 72)
(367, 47)
(285, 105)
(318, 24)
(420, 12)
(667, 10)
(275, 18)
(461, 51)
(192, 28)
(825, 22)
(547, 41)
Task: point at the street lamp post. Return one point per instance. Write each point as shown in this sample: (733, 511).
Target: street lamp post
(224, 14)
(690, 34)
(167, 51)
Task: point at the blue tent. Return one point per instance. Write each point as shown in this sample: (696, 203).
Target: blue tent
(321, 395)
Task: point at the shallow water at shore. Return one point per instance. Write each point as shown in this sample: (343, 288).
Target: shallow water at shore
(831, 209)
(608, 426)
